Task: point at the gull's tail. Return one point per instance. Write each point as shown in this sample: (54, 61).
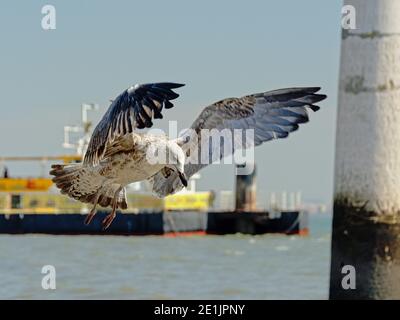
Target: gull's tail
(86, 185)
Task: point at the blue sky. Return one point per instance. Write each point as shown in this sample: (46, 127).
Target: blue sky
(218, 48)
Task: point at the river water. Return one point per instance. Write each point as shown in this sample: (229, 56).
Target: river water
(151, 267)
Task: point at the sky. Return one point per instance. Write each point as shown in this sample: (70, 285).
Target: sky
(218, 49)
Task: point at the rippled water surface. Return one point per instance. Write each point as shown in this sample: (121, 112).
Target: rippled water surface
(197, 267)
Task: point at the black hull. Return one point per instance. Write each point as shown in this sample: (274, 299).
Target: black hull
(288, 222)
(158, 223)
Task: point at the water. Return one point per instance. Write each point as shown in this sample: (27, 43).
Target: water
(198, 267)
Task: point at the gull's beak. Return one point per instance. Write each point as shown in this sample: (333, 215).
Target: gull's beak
(182, 176)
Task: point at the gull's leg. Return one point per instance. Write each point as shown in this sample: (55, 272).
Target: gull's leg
(91, 215)
(92, 212)
(110, 217)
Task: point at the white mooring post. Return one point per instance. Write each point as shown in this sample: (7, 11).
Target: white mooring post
(366, 223)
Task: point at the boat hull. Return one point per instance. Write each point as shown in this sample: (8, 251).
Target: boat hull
(158, 223)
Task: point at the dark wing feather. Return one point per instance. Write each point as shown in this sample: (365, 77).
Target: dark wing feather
(135, 108)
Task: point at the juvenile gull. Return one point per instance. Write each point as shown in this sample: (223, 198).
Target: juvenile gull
(116, 154)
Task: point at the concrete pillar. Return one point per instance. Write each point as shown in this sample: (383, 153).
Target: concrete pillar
(246, 192)
(366, 223)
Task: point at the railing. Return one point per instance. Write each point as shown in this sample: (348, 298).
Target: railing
(42, 202)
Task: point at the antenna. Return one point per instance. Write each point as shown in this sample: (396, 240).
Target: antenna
(85, 108)
(81, 144)
(67, 130)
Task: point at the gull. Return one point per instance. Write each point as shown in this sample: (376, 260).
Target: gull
(119, 148)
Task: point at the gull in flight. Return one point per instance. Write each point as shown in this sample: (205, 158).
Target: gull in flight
(117, 154)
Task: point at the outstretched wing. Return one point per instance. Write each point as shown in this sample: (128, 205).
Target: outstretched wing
(135, 108)
(271, 115)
